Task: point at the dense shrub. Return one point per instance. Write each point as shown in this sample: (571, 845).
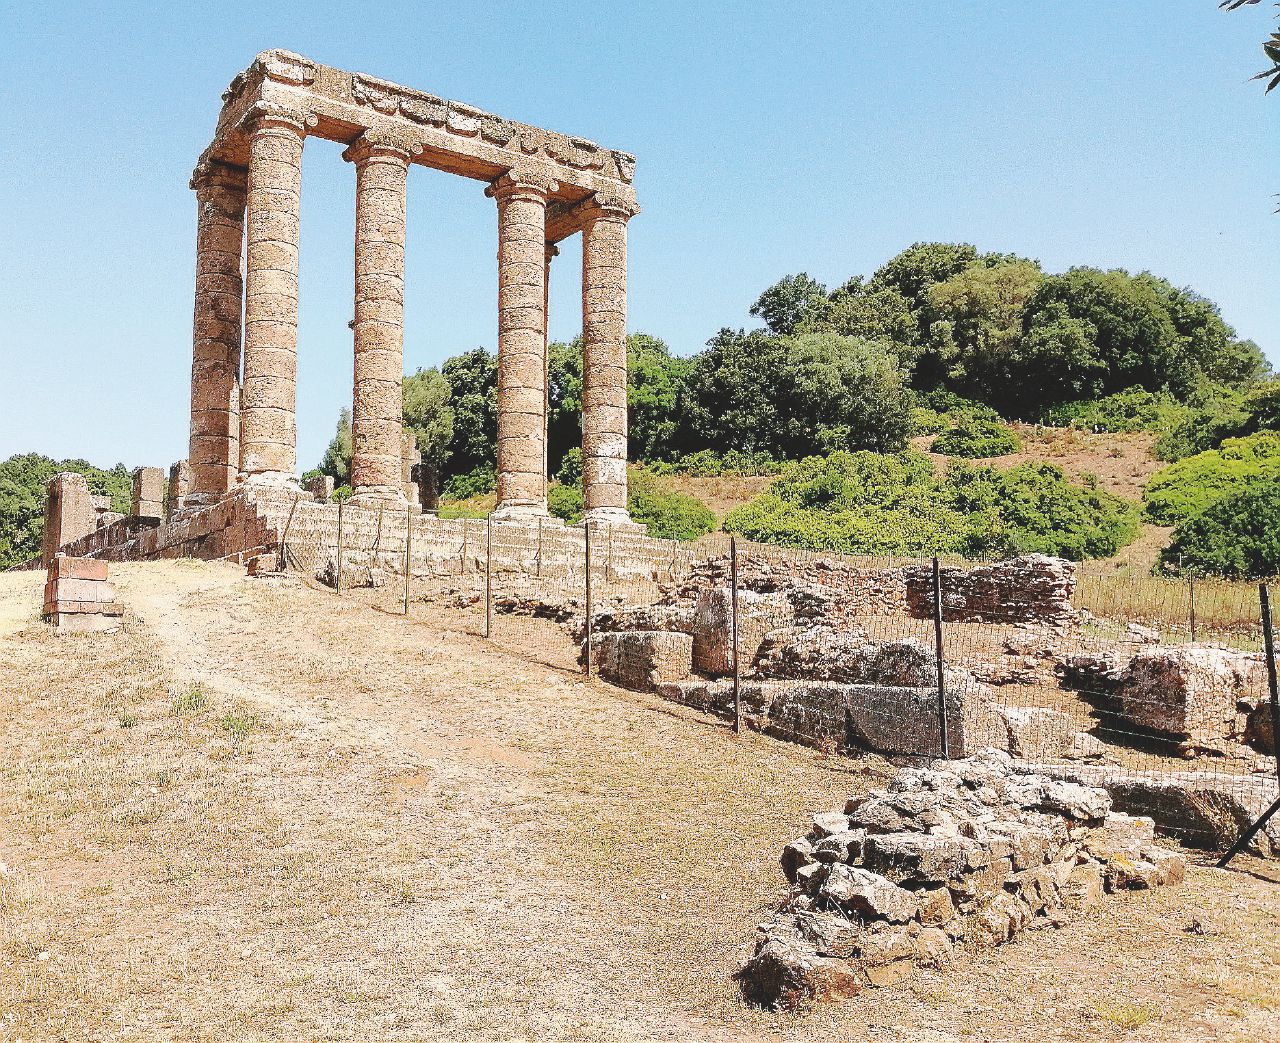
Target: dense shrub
(866, 503)
(1237, 536)
(1188, 487)
(977, 440)
(670, 515)
(481, 480)
(1134, 409)
(565, 501)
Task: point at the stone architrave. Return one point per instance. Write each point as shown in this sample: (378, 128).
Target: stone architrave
(69, 513)
(148, 493)
(214, 449)
(522, 345)
(381, 159)
(604, 358)
(268, 425)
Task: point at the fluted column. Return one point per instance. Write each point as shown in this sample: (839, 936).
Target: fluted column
(381, 158)
(604, 358)
(268, 424)
(522, 346)
(214, 451)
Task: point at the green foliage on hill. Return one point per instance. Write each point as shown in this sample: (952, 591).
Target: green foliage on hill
(1237, 536)
(1134, 409)
(1217, 412)
(707, 464)
(23, 482)
(977, 440)
(866, 503)
(1182, 490)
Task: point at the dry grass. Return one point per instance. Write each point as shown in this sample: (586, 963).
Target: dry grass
(326, 821)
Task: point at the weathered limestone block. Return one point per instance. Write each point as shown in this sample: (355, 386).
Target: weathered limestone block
(642, 660)
(69, 513)
(675, 618)
(712, 627)
(148, 493)
(319, 487)
(1037, 732)
(1188, 692)
(179, 485)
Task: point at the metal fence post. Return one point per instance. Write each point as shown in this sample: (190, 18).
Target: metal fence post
(941, 659)
(408, 553)
(586, 535)
(488, 575)
(337, 583)
(538, 559)
(733, 632)
(282, 559)
(462, 554)
(1191, 601)
(1273, 691)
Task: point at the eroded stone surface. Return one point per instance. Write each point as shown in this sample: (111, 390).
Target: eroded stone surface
(961, 853)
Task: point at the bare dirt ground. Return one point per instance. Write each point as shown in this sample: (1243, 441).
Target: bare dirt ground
(265, 812)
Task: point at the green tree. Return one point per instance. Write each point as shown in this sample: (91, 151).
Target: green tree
(1270, 48)
(729, 398)
(871, 312)
(473, 395)
(974, 319)
(428, 415)
(919, 267)
(1237, 536)
(654, 380)
(337, 458)
(789, 302)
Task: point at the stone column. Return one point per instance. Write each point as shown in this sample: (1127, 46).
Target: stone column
(147, 501)
(522, 344)
(551, 251)
(604, 358)
(268, 424)
(68, 513)
(381, 157)
(215, 354)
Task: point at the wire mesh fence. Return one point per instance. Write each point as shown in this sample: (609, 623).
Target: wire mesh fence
(1157, 687)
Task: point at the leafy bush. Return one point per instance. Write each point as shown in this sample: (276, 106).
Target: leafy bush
(867, 503)
(670, 515)
(570, 472)
(342, 494)
(1237, 536)
(565, 501)
(1184, 489)
(484, 479)
(977, 440)
(926, 421)
(1134, 409)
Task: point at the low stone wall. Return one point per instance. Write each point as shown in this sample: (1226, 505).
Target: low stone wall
(963, 853)
(851, 718)
(1030, 589)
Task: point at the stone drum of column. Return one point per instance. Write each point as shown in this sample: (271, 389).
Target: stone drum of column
(268, 425)
(382, 159)
(604, 359)
(522, 346)
(215, 355)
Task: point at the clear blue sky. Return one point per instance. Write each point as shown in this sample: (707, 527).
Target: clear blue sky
(771, 138)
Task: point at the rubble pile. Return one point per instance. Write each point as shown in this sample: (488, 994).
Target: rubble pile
(962, 853)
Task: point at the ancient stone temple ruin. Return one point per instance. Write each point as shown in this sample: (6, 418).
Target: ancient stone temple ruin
(546, 187)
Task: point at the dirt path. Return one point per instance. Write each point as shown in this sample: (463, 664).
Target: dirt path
(266, 812)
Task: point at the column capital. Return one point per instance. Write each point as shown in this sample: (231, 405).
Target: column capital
(527, 181)
(211, 175)
(391, 143)
(551, 251)
(609, 204)
(262, 115)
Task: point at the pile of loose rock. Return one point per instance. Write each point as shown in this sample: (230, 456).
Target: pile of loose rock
(963, 853)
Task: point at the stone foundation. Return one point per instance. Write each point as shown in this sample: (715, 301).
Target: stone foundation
(77, 597)
(964, 853)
